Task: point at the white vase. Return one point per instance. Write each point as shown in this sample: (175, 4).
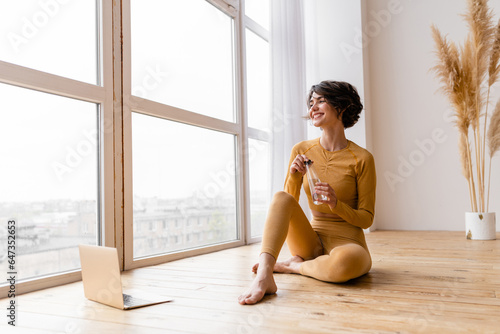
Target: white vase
(480, 225)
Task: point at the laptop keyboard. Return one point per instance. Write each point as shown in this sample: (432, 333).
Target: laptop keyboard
(130, 301)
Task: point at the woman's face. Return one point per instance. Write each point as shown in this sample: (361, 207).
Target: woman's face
(321, 113)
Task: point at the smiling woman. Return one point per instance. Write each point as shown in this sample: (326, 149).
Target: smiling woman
(341, 96)
(331, 247)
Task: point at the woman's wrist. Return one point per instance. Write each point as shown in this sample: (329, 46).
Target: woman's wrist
(334, 206)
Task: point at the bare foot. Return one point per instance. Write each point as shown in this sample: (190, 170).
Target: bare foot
(262, 284)
(290, 266)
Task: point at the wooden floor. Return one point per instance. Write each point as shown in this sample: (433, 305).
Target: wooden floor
(421, 282)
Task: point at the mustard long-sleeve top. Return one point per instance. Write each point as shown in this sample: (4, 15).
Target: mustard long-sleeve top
(350, 172)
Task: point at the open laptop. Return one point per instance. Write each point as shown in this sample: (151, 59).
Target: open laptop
(102, 282)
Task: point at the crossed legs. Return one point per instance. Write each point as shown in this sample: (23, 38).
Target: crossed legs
(287, 221)
(343, 263)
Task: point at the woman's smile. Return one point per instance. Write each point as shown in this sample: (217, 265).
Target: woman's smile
(317, 115)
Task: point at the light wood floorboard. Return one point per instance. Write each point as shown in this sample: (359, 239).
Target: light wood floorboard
(420, 282)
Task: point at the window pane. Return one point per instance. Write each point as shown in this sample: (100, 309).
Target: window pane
(258, 81)
(184, 186)
(59, 37)
(260, 184)
(48, 178)
(258, 10)
(182, 55)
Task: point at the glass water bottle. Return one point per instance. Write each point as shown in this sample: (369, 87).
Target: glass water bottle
(313, 178)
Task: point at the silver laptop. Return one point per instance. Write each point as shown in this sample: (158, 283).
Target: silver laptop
(102, 282)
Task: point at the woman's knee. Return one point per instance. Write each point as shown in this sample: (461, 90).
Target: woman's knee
(348, 263)
(282, 198)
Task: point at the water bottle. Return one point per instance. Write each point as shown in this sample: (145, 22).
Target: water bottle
(313, 178)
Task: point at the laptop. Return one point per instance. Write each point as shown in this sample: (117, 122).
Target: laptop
(102, 281)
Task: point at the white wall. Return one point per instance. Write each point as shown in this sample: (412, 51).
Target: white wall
(328, 24)
(420, 185)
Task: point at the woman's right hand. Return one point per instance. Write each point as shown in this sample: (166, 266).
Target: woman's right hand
(299, 164)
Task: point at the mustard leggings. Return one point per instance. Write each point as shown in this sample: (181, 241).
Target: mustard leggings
(333, 250)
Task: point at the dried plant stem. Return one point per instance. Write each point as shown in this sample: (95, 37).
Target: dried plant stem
(471, 192)
(471, 176)
(470, 195)
(477, 159)
(464, 160)
(475, 124)
(489, 186)
(484, 147)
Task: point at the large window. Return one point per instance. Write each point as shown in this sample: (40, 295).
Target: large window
(55, 147)
(137, 124)
(186, 141)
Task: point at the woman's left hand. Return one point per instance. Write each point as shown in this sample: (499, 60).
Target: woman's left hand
(323, 188)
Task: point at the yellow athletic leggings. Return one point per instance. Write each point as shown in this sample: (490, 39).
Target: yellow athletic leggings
(333, 250)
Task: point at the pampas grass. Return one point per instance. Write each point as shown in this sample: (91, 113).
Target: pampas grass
(462, 72)
(464, 149)
(494, 69)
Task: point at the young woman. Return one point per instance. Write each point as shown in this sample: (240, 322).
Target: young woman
(331, 247)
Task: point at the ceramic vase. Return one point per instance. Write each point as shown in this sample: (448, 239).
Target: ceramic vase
(480, 225)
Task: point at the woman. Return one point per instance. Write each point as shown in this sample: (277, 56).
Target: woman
(332, 246)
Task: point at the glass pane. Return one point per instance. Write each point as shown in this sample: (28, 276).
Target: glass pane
(58, 37)
(260, 184)
(258, 10)
(184, 186)
(182, 55)
(258, 81)
(48, 178)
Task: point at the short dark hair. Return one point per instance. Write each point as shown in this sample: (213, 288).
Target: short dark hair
(343, 97)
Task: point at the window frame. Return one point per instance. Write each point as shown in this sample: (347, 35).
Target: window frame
(148, 107)
(252, 133)
(20, 76)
